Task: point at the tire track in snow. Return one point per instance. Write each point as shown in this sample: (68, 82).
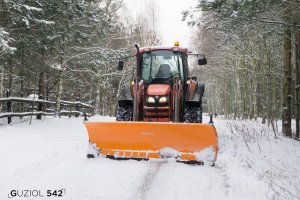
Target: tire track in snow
(180, 181)
(143, 189)
(222, 166)
(222, 172)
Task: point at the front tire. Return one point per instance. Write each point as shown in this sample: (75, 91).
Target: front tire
(124, 113)
(192, 114)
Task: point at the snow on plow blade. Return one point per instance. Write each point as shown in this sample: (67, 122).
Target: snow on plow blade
(144, 140)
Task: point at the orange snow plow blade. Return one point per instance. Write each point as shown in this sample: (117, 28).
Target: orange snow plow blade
(144, 140)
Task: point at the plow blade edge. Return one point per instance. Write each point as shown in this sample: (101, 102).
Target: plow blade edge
(142, 140)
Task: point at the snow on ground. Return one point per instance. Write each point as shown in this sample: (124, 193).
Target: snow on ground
(51, 155)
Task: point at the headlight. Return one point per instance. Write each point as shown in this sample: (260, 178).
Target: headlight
(162, 100)
(150, 100)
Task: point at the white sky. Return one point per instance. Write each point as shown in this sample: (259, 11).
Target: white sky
(169, 13)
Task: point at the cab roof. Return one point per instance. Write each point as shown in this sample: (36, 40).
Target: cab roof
(170, 48)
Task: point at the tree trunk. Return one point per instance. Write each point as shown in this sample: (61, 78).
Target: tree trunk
(97, 104)
(297, 84)
(287, 86)
(42, 84)
(41, 106)
(47, 87)
(10, 75)
(59, 88)
(1, 84)
(22, 81)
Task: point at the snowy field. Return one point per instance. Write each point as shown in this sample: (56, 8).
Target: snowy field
(51, 155)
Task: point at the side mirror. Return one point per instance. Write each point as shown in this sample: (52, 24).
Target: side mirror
(202, 61)
(120, 65)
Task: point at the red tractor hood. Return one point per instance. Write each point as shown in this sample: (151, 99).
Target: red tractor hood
(158, 89)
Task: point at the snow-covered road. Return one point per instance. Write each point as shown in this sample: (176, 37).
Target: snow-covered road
(51, 155)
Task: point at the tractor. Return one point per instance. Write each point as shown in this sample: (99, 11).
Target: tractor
(159, 113)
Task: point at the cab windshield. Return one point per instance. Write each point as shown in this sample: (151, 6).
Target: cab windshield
(161, 64)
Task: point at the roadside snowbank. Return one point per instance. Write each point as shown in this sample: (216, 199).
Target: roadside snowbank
(253, 152)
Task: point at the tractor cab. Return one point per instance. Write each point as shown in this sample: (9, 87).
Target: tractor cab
(161, 66)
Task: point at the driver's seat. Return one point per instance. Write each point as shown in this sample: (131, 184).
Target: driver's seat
(163, 76)
(164, 71)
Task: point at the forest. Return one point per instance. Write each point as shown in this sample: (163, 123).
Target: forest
(253, 48)
(69, 50)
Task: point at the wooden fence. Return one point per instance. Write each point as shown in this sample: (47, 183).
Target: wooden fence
(20, 107)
